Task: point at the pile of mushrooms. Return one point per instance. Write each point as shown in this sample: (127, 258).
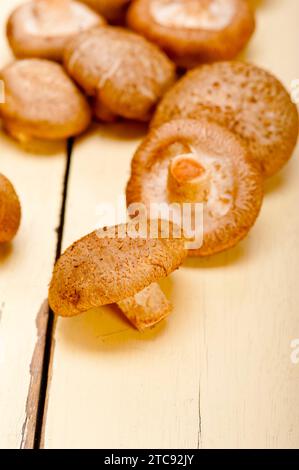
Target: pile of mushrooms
(215, 134)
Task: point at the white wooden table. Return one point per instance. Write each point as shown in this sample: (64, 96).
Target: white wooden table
(218, 373)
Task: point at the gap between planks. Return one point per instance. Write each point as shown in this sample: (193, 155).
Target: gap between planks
(36, 403)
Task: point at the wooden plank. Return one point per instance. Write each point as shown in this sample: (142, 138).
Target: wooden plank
(249, 386)
(25, 267)
(218, 373)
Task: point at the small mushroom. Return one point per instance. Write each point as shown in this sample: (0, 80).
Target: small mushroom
(247, 100)
(115, 267)
(193, 31)
(124, 73)
(42, 102)
(41, 28)
(10, 210)
(199, 162)
(113, 10)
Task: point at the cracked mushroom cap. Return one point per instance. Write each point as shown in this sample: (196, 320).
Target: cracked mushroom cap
(243, 97)
(41, 28)
(42, 102)
(199, 161)
(113, 10)
(10, 210)
(124, 73)
(110, 266)
(191, 31)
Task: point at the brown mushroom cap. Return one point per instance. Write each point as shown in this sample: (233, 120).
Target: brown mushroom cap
(10, 210)
(191, 31)
(98, 270)
(41, 28)
(42, 102)
(246, 99)
(222, 177)
(113, 10)
(123, 71)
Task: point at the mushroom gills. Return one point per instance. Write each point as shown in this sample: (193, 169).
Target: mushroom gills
(146, 308)
(191, 14)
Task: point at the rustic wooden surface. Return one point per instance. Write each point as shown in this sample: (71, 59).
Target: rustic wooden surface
(25, 267)
(218, 373)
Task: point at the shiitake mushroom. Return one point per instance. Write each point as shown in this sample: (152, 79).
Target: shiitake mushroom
(42, 28)
(124, 74)
(10, 210)
(246, 99)
(42, 102)
(192, 32)
(114, 267)
(199, 162)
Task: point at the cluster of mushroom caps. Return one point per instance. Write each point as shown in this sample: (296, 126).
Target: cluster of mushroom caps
(69, 59)
(215, 134)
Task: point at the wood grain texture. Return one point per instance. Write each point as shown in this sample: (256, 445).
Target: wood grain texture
(218, 373)
(25, 267)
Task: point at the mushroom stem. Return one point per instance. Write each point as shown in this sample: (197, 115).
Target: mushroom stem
(147, 307)
(187, 178)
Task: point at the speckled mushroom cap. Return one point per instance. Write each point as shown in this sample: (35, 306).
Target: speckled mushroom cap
(42, 102)
(192, 31)
(113, 10)
(125, 73)
(246, 99)
(10, 210)
(212, 166)
(41, 28)
(99, 270)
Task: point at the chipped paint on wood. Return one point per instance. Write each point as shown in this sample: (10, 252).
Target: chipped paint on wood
(36, 367)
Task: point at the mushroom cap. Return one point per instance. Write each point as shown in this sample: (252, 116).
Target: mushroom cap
(98, 270)
(232, 183)
(42, 28)
(245, 98)
(42, 102)
(113, 10)
(122, 70)
(193, 32)
(10, 210)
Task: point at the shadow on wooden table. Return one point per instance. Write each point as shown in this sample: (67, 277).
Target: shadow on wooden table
(5, 251)
(107, 329)
(121, 130)
(35, 147)
(233, 256)
(276, 183)
(259, 3)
